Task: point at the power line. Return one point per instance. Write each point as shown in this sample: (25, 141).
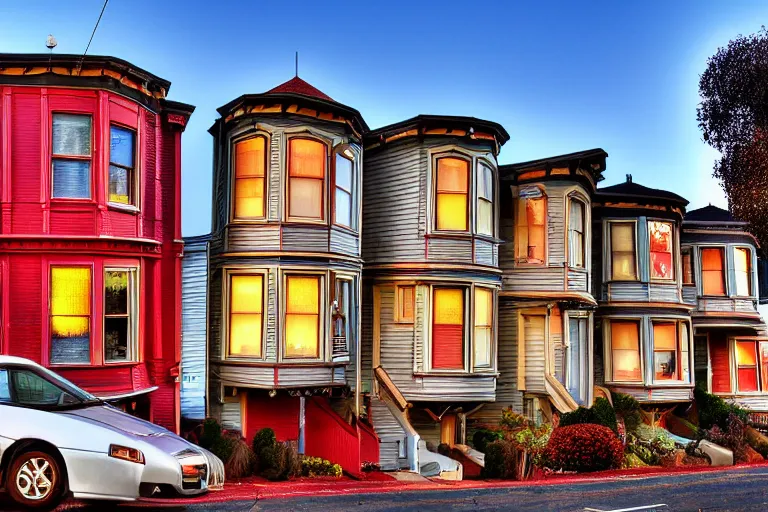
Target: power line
(92, 34)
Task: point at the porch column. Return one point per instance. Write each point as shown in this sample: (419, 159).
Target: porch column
(302, 410)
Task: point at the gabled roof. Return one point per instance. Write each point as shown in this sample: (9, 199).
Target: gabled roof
(298, 86)
(628, 189)
(712, 214)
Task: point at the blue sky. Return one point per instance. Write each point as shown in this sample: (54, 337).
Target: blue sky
(560, 76)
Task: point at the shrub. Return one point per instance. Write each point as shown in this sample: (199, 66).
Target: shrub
(584, 447)
(223, 448)
(733, 437)
(368, 466)
(601, 413)
(241, 460)
(210, 433)
(713, 410)
(315, 466)
(512, 420)
(484, 436)
(757, 441)
(500, 460)
(265, 449)
(534, 441)
(628, 408)
(287, 462)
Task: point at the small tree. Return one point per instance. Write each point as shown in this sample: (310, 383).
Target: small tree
(733, 117)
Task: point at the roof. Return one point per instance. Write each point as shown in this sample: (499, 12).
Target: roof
(630, 189)
(427, 121)
(712, 214)
(587, 155)
(298, 86)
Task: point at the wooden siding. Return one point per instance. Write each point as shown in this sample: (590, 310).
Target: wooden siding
(194, 304)
(391, 436)
(449, 249)
(486, 253)
(253, 237)
(535, 347)
(721, 363)
(657, 394)
(689, 295)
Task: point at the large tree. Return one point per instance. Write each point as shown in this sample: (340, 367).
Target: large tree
(733, 116)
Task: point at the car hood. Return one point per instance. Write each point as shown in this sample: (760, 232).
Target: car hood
(116, 420)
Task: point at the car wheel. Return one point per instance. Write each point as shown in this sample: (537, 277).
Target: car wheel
(35, 480)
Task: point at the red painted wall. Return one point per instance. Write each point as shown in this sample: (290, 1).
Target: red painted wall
(721, 369)
(328, 436)
(36, 231)
(280, 413)
(369, 444)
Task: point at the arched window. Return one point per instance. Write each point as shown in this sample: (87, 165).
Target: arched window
(452, 189)
(531, 226)
(484, 200)
(306, 179)
(576, 226)
(250, 164)
(343, 199)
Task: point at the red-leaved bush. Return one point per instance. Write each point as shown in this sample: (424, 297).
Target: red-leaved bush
(584, 447)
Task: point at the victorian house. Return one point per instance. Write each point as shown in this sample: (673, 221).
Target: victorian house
(90, 231)
(720, 281)
(643, 339)
(431, 280)
(283, 272)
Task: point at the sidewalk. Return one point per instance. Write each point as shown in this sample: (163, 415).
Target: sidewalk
(259, 489)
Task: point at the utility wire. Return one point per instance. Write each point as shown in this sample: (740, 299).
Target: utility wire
(79, 66)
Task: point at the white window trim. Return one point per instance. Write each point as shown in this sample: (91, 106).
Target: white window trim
(228, 272)
(699, 269)
(133, 355)
(286, 176)
(575, 195)
(608, 251)
(676, 278)
(734, 369)
(608, 349)
(490, 367)
(515, 200)
(678, 321)
(324, 329)
(342, 149)
(137, 157)
(752, 272)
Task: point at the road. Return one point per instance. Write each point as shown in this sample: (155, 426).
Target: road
(744, 489)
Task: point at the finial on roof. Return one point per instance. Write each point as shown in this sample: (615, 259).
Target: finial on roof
(297, 64)
(629, 178)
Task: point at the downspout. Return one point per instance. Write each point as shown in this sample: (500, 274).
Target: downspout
(302, 421)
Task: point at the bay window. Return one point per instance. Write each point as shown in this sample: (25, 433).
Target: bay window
(623, 262)
(306, 179)
(531, 230)
(742, 259)
(342, 320)
(302, 316)
(250, 164)
(71, 156)
(122, 166)
(484, 200)
(671, 356)
(483, 327)
(452, 190)
(343, 204)
(576, 233)
(625, 351)
(246, 323)
(660, 245)
(448, 328)
(712, 271)
(120, 314)
(70, 315)
(405, 304)
(687, 266)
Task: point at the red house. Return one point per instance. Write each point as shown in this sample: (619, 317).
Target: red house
(90, 229)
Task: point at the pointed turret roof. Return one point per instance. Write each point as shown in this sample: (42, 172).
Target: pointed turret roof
(298, 86)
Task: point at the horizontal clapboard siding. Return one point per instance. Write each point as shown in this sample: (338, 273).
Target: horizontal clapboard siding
(689, 295)
(391, 436)
(344, 242)
(657, 394)
(453, 250)
(664, 292)
(301, 377)
(194, 282)
(299, 238)
(535, 362)
(253, 237)
(245, 376)
(485, 253)
(545, 279)
(577, 280)
(635, 292)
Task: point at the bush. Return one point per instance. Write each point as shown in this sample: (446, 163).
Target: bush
(265, 448)
(601, 413)
(733, 437)
(210, 433)
(368, 466)
(287, 462)
(484, 436)
(713, 410)
(315, 466)
(512, 420)
(223, 448)
(241, 460)
(500, 460)
(628, 408)
(534, 442)
(584, 447)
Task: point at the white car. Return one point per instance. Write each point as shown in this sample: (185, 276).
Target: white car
(57, 440)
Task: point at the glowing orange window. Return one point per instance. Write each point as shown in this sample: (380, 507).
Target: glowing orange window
(306, 175)
(452, 190)
(531, 230)
(448, 328)
(250, 164)
(712, 271)
(746, 366)
(245, 315)
(302, 317)
(625, 351)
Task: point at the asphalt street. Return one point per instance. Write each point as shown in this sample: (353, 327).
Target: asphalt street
(743, 489)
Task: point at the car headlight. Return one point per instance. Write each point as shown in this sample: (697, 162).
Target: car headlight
(125, 453)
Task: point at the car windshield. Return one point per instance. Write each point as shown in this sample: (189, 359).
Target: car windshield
(40, 389)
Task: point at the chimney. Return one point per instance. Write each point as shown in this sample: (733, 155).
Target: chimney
(629, 178)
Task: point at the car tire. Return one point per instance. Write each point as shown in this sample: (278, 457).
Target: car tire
(35, 480)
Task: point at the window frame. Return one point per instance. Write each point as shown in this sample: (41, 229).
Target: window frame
(482, 162)
(233, 142)
(672, 250)
(323, 330)
(399, 300)
(585, 374)
(750, 270)
(452, 154)
(228, 272)
(473, 345)
(608, 237)
(724, 252)
(519, 262)
(575, 197)
(326, 168)
(133, 354)
(135, 172)
(691, 257)
(339, 278)
(345, 151)
(80, 158)
(92, 270)
(466, 345)
(608, 348)
(678, 324)
(756, 341)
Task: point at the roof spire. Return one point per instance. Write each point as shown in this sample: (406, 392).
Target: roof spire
(297, 64)
(629, 178)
